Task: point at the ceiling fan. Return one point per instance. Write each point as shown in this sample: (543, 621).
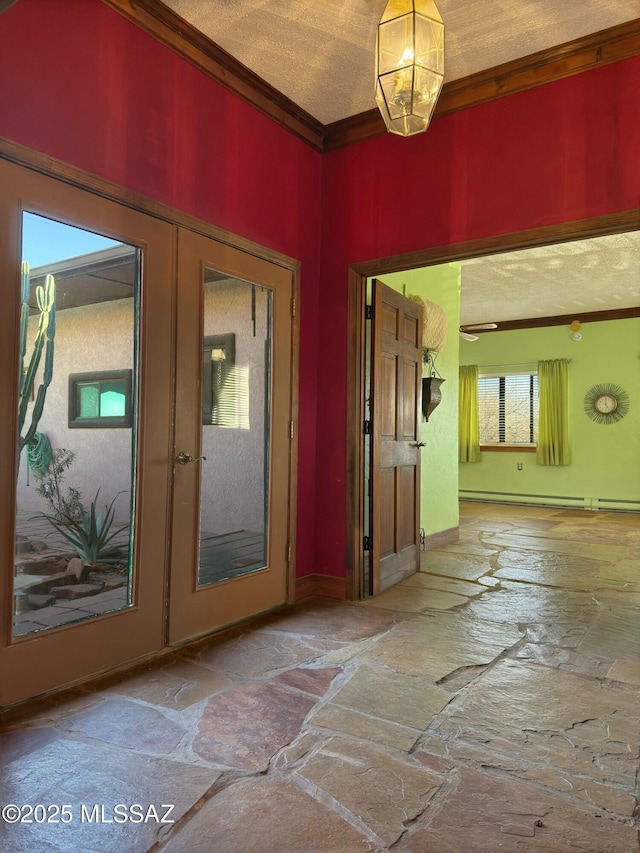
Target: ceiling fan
(465, 330)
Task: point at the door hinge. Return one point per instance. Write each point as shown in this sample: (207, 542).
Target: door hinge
(367, 427)
(289, 553)
(366, 543)
(293, 306)
(368, 312)
(291, 429)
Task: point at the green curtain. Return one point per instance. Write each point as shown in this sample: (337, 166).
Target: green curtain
(553, 413)
(469, 430)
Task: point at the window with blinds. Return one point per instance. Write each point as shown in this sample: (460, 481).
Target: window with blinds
(508, 408)
(225, 385)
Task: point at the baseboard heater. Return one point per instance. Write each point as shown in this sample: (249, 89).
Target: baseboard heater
(617, 504)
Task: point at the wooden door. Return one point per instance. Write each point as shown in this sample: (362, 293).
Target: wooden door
(106, 380)
(230, 535)
(396, 388)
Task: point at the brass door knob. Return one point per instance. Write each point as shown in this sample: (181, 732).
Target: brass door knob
(183, 457)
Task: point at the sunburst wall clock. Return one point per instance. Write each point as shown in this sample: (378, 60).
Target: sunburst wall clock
(606, 403)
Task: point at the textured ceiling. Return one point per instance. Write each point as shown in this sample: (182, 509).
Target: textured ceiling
(579, 277)
(320, 53)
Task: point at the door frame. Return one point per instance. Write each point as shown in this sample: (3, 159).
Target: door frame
(563, 232)
(197, 610)
(20, 155)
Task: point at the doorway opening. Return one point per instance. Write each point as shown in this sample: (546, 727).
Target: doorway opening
(567, 238)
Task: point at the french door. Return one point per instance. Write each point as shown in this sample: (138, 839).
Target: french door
(230, 550)
(131, 347)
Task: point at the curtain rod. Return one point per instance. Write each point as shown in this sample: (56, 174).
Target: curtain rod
(519, 363)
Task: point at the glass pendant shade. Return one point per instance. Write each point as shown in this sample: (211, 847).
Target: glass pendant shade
(409, 64)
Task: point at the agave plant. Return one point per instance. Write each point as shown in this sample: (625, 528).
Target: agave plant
(91, 532)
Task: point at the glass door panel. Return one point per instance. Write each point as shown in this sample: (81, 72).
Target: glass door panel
(76, 425)
(236, 419)
(89, 422)
(232, 437)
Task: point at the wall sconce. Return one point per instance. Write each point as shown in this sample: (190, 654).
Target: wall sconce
(431, 386)
(409, 64)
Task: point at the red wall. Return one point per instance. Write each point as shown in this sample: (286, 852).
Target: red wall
(80, 83)
(565, 151)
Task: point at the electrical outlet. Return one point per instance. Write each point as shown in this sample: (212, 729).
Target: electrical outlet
(519, 466)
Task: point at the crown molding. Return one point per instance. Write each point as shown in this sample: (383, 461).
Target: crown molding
(558, 320)
(574, 57)
(174, 32)
(537, 69)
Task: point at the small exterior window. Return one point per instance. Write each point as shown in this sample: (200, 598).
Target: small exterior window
(100, 400)
(217, 379)
(508, 409)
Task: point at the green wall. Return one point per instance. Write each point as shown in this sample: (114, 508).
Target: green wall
(439, 474)
(605, 462)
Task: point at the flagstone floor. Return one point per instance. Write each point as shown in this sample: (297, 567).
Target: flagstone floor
(488, 703)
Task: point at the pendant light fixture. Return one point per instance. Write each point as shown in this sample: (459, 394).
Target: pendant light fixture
(409, 64)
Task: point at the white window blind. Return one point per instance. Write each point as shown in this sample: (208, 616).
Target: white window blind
(508, 408)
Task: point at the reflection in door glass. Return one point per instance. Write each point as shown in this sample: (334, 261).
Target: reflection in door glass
(235, 428)
(76, 410)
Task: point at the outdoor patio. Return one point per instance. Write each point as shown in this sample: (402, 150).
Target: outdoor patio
(37, 607)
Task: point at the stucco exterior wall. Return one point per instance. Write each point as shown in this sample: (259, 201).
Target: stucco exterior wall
(233, 482)
(101, 337)
(90, 338)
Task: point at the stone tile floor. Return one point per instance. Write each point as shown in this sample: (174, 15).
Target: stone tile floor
(488, 703)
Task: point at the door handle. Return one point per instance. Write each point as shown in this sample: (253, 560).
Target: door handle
(418, 444)
(183, 457)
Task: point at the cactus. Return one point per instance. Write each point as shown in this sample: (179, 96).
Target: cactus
(44, 340)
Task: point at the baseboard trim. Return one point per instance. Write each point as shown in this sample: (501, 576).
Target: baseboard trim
(443, 537)
(329, 586)
(559, 501)
(323, 585)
